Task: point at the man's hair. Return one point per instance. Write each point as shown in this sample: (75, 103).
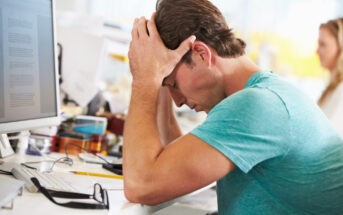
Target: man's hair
(176, 20)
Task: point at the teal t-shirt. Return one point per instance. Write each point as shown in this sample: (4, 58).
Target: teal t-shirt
(289, 158)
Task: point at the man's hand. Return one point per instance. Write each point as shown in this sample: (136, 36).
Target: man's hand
(150, 60)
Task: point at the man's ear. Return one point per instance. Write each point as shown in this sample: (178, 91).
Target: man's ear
(202, 52)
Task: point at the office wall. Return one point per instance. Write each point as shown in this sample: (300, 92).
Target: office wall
(81, 6)
(281, 35)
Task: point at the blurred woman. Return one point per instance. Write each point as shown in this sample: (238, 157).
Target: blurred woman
(330, 46)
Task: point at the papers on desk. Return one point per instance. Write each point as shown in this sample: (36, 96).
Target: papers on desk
(9, 189)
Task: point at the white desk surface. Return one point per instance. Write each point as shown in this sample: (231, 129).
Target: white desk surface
(36, 203)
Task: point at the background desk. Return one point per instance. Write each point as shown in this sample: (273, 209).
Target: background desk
(36, 203)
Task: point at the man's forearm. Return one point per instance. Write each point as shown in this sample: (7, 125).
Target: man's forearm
(142, 143)
(168, 127)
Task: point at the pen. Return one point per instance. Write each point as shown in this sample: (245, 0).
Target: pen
(98, 174)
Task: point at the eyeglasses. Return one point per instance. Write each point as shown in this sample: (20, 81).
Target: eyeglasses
(100, 195)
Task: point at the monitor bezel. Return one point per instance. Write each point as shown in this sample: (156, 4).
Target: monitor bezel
(30, 124)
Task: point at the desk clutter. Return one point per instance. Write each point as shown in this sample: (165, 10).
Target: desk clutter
(92, 133)
(65, 182)
(79, 138)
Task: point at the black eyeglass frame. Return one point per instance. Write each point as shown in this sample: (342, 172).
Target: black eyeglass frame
(103, 204)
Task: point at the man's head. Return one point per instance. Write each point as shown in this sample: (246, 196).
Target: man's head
(176, 20)
(195, 81)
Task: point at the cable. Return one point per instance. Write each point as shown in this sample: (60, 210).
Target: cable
(3, 172)
(60, 160)
(66, 159)
(84, 149)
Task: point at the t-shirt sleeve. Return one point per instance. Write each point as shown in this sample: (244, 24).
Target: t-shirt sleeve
(248, 127)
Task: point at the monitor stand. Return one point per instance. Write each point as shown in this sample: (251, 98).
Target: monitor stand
(5, 146)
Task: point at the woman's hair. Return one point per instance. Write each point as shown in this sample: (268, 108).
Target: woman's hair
(335, 27)
(176, 20)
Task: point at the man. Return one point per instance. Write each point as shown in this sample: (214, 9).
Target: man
(268, 146)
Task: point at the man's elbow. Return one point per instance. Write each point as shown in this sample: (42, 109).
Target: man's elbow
(140, 192)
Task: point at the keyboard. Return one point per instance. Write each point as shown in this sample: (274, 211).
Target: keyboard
(47, 180)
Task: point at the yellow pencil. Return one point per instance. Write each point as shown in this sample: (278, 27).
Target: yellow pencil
(98, 174)
(122, 58)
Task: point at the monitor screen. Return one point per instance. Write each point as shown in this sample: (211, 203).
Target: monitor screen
(28, 88)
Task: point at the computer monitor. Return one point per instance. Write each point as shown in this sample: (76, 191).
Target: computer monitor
(29, 95)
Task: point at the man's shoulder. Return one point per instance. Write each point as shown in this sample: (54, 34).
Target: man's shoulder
(251, 103)
(253, 96)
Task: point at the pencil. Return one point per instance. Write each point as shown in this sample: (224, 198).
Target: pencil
(120, 57)
(98, 174)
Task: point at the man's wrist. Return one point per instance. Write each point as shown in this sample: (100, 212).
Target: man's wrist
(146, 84)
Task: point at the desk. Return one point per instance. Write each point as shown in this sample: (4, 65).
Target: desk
(36, 203)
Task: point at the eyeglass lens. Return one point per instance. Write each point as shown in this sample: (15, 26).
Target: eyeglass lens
(98, 193)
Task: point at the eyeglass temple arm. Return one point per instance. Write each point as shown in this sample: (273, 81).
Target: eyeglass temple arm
(69, 195)
(68, 204)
